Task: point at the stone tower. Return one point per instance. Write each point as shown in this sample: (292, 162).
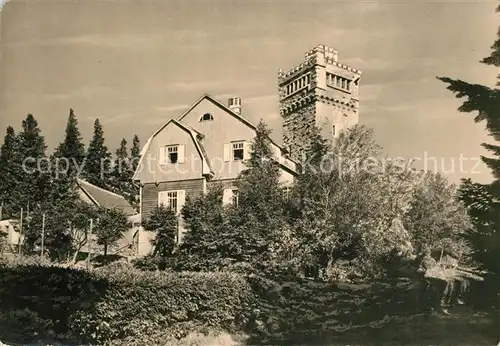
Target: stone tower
(320, 92)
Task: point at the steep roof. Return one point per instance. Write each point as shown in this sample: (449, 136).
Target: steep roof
(194, 136)
(228, 110)
(286, 163)
(105, 198)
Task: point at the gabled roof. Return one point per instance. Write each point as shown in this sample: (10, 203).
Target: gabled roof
(207, 169)
(104, 198)
(228, 110)
(286, 163)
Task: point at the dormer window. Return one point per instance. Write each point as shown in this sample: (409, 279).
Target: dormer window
(206, 117)
(171, 154)
(238, 151)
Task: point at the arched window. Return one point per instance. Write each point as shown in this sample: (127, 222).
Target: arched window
(206, 117)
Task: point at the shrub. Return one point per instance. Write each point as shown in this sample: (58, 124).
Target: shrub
(66, 305)
(309, 312)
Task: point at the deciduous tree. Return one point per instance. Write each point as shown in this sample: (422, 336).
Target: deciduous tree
(110, 226)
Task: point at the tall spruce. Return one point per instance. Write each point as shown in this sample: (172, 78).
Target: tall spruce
(121, 172)
(163, 222)
(135, 152)
(72, 148)
(484, 101)
(135, 155)
(66, 163)
(9, 171)
(205, 219)
(35, 180)
(97, 168)
(258, 221)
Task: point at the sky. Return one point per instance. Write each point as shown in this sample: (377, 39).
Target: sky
(136, 64)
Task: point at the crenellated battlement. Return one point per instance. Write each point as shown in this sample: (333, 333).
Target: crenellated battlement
(320, 92)
(319, 55)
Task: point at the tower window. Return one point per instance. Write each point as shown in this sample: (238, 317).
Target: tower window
(334, 132)
(206, 117)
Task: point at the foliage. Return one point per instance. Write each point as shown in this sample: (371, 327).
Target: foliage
(120, 175)
(10, 171)
(315, 313)
(436, 217)
(163, 221)
(485, 218)
(72, 148)
(110, 226)
(258, 221)
(123, 305)
(97, 165)
(345, 201)
(147, 263)
(66, 228)
(482, 201)
(135, 152)
(26, 168)
(205, 219)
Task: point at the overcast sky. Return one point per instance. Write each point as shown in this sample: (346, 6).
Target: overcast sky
(135, 64)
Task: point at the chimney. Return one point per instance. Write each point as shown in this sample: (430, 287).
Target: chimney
(234, 104)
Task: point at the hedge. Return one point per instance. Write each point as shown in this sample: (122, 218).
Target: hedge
(316, 313)
(123, 306)
(48, 304)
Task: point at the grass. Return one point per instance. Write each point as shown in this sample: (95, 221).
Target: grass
(462, 326)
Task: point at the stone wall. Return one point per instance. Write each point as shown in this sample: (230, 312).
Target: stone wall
(297, 130)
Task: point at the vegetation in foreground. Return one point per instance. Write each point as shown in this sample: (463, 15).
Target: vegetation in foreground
(278, 258)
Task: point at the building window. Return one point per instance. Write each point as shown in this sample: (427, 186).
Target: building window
(173, 153)
(334, 132)
(172, 200)
(286, 193)
(238, 151)
(235, 197)
(206, 117)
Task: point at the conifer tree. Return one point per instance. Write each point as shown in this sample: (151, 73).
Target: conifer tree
(258, 221)
(121, 171)
(67, 161)
(72, 148)
(163, 222)
(484, 101)
(9, 172)
(205, 219)
(34, 184)
(135, 152)
(98, 165)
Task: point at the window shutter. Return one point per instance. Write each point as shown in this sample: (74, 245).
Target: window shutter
(162, 198)
(246, 151)
(227, 152)
(180, 153)
(181, 199)
(227, 197)
(162, 155)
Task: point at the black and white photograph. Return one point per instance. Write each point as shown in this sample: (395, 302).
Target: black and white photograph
(236, 173)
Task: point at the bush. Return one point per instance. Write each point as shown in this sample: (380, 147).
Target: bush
(316, 313)
(66, 305)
